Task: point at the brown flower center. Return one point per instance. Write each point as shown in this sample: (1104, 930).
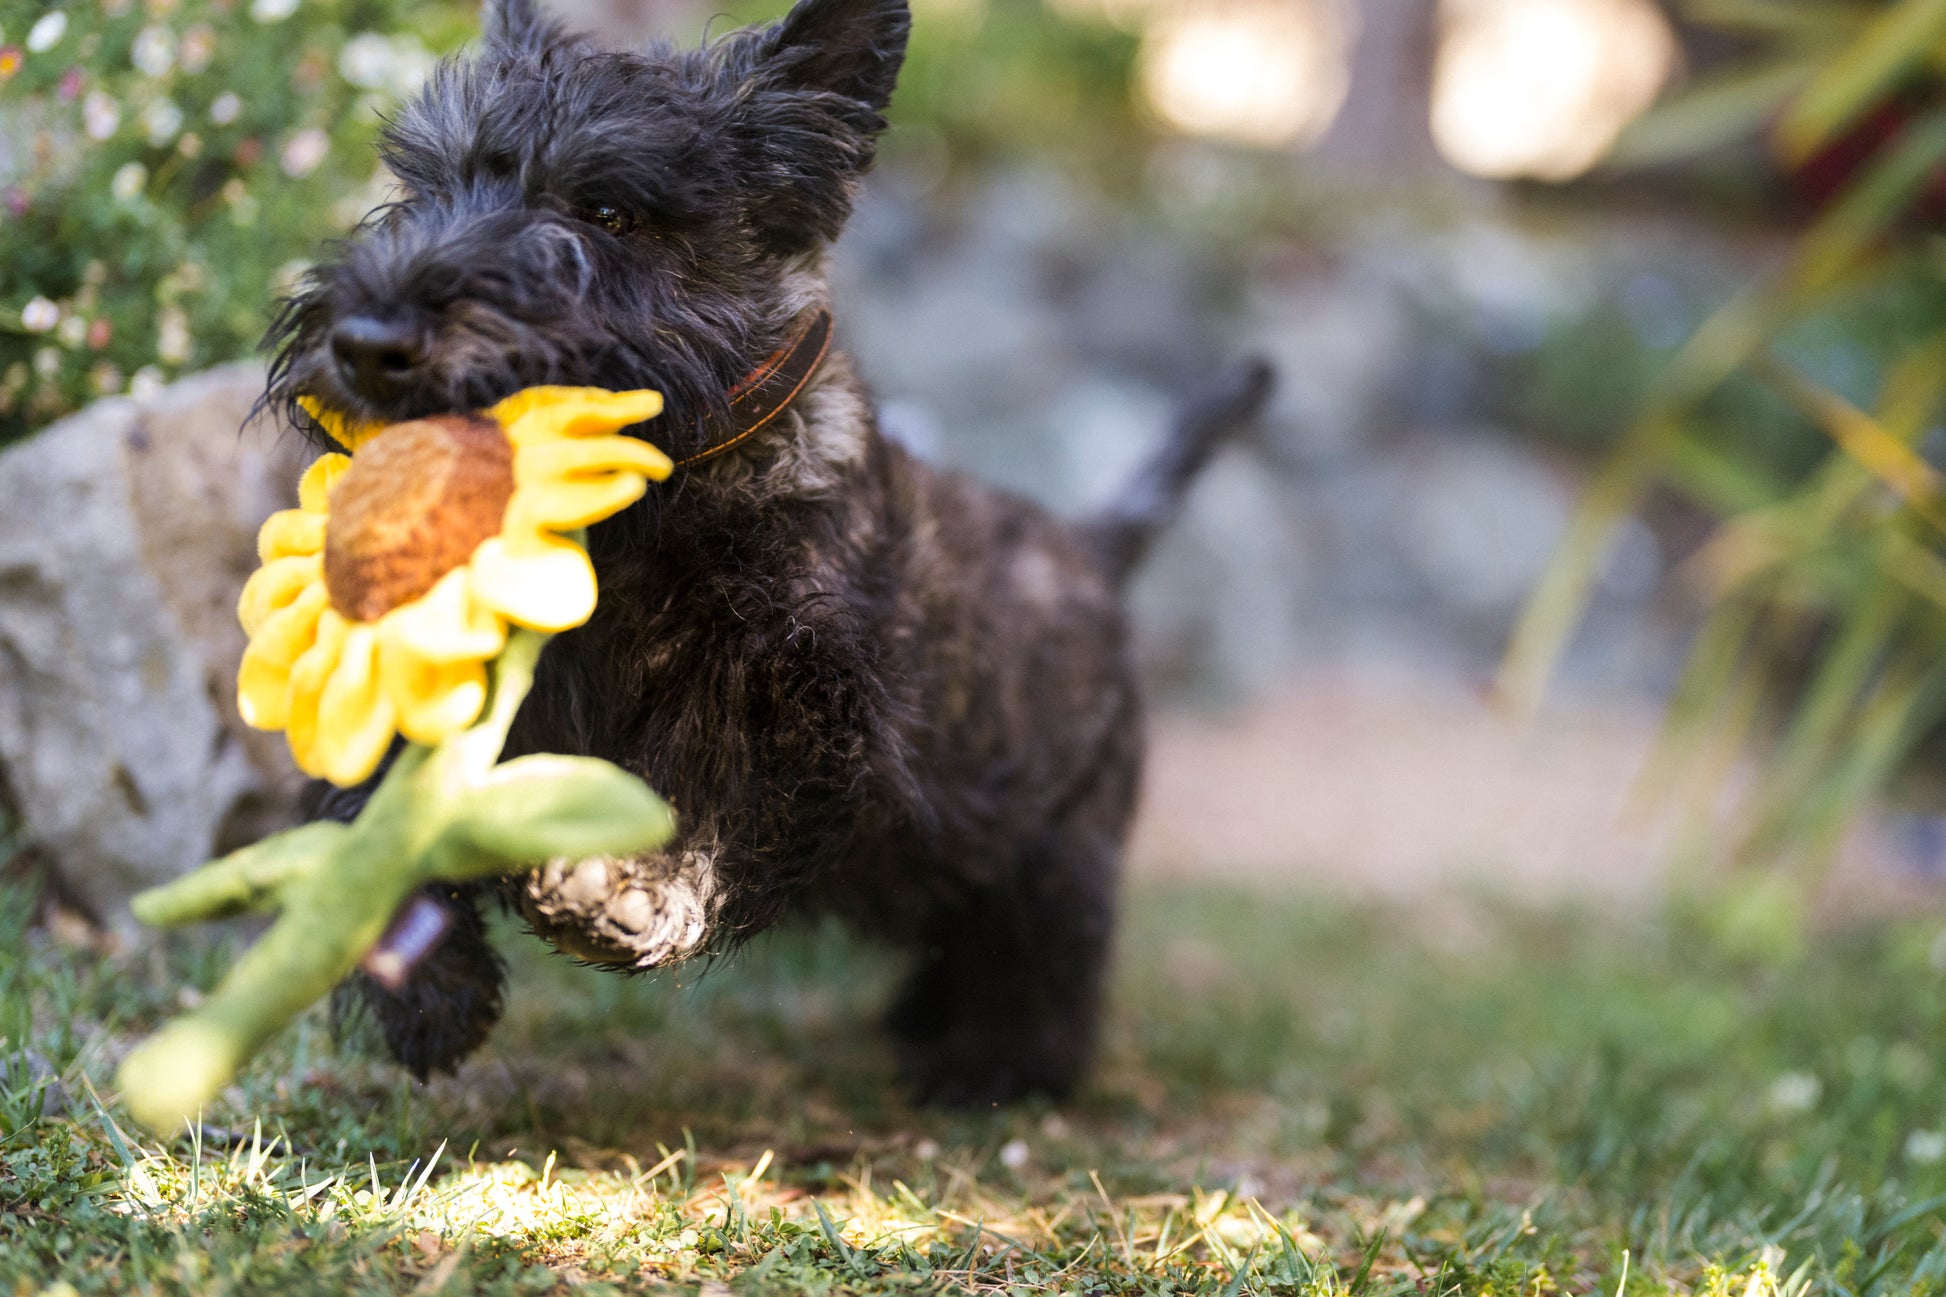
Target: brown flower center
(416, 502)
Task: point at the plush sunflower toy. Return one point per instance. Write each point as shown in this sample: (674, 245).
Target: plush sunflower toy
(409, 594)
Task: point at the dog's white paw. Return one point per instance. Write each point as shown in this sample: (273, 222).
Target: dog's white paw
(635, 913)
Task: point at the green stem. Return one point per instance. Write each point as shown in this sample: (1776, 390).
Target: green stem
(240, 882)
(513, 676)
(441, 814)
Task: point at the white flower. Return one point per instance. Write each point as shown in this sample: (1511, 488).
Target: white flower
(47, 362)
(1925, 1147)
(39, 315)
(1795, 1092)
(412, 63)
(46, 34)
(162, 120)
(171, 336)
(154, 51)
(366, 60)
(128, 181)
(397, 65)
(1014, 1154)
(272, 11)
(100, 115)
(225, 107)
(145, 383)
(304, 152)
(285, 279)
(72, 331)
(198, 48)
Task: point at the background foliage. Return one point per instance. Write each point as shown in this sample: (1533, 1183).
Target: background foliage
(164, 165)
(1825, 577)
(167, 165)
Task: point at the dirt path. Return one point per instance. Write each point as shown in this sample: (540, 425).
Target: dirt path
(1397, 789)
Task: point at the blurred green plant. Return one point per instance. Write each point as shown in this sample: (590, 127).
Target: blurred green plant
(999, 79)
(166, 165)
(1826, 584)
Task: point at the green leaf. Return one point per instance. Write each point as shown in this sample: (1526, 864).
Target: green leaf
(1891, 47)
(1869, 444)
(1834, 246)
(1799, 20)
(536, 808)
(1842, 678)
(1725, 341)
(1716, 479)
(1722, 110)
(1879, 735)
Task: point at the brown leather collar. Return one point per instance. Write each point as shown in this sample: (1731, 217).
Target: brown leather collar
(768, 390)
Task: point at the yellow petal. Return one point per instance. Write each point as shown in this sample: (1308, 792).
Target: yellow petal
(444, 625)
(526, 400)
(314, 488)
(290, 531)
(566, 504)
(308, 679)
(276, 585)
(545, 583)
(355, 718)
(591, 455)
(263, 678)
(550, 413)
(433, 701)
(341, 428)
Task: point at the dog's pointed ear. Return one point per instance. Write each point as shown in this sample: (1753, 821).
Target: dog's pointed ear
(517, 25)
(846, 47)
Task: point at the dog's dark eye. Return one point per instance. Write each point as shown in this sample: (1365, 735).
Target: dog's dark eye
(612, 219)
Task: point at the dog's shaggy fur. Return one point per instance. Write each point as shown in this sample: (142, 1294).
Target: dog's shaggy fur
(866, 686)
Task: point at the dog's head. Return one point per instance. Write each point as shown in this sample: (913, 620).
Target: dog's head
(613, 219)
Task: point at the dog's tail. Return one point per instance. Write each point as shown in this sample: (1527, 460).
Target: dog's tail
(1150, 502)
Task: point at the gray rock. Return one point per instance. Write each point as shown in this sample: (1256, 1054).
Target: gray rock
(1336, 341)
(1476, 517)
(127, 532)
(23, 1072)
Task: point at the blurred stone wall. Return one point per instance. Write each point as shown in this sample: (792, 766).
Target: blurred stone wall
(1388, 518)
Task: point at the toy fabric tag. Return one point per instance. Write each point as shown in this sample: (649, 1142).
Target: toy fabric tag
(416, 932)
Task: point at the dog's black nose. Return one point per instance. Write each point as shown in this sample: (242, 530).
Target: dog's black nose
(377, 356)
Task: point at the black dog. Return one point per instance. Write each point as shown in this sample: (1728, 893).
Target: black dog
(865, 685)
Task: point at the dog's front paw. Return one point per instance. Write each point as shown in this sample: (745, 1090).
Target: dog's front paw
(627, 914)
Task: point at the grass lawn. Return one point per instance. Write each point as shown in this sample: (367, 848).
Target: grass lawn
(1297, 1096)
